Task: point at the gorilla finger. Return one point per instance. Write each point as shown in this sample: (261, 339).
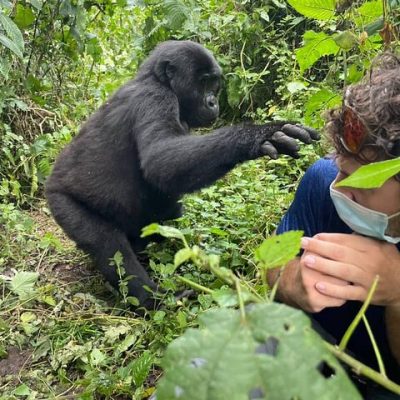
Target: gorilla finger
(285, 144)
(280, 139)
(297, 132)
(268, 149)
(315, 135)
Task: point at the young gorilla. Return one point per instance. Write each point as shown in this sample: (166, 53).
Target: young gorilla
(134, 158)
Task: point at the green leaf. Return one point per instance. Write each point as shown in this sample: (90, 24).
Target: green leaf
(23, 282)
(166, 231)
(97, 357)
(278, 250)
(319, 101)
(295, 86)
(37, 4)
(182, 256)
(368, 12)
(316, 45)
(273, 354)
(22, 390)
(5, 4)
(14, 40)
(176, 12)
(372, 175)
(5, 41)
(24, 16)
(346, 40)
(322, 10)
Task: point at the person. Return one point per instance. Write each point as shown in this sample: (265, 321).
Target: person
(352, 235)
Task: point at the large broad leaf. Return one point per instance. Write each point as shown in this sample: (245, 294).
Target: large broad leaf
(372, 175)
(273, 355)
(368, 12)
(14, 40)
(318, 9)
(278, 250)
(316, 45)
(5, 41)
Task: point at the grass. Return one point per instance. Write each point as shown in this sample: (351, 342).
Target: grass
(67, 336)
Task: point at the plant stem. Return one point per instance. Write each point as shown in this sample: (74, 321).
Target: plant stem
(240, 298)
(195, 285)
(362, 369)
(346, 337)
(374, 346)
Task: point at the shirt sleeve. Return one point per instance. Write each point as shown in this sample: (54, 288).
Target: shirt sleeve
(312, 210)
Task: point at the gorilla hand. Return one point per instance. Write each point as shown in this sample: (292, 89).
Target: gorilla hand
(283, 141)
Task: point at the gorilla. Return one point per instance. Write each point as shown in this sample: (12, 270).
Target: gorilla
(134, 158)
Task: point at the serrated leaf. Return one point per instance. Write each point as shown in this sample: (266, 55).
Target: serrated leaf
(278, 250)
(368, 12)
(22, 283)
(273, 355)
(316, 45)
(372, 175)
(176, 12)
(322, 10)
(97, 357)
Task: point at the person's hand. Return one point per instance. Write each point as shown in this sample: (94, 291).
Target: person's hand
(356, 259)
(297, 286)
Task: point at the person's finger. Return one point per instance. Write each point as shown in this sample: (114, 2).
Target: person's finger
(349, 292)
(331, 250)
(355, 241)
(344, 272)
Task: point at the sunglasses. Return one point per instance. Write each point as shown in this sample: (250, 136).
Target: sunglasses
(354, 132)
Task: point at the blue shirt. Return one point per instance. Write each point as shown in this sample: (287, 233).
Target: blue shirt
(313, 212)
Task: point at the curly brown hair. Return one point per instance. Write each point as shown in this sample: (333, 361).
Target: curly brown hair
(376, 101)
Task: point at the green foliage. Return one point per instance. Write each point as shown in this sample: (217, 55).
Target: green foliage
(277, 251)
(58, 62)
(12, 39)
(256, 357)
(372, 175)
(316, 45)
(319, 9)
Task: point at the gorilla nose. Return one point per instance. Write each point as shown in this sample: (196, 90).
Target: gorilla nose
(211, 103)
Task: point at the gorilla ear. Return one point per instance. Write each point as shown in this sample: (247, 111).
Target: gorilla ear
(164, 71)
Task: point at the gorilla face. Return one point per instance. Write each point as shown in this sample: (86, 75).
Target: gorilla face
(195, 77)
(199, 107)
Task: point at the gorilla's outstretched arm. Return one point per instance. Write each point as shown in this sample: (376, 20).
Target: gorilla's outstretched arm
(183, 164)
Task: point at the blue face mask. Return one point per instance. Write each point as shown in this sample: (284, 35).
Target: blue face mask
(364, 220)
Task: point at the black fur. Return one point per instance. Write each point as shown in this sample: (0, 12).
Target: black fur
(134, 158)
